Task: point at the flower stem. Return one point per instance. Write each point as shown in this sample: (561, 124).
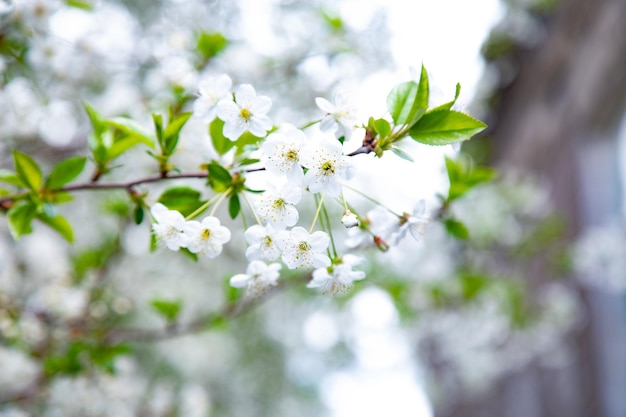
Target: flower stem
(373, 201)
(304, 126)
(326, 225)
(219, 201)
(245, 197)
(317, 213)
(203, 207)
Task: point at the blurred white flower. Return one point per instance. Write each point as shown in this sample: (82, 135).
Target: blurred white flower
(210, 92)
(169, 227)
(303, 250)
(259, 277)
(246, 113)
(378, 222)
(340, 117)
(206, 237)
(18, 370)
(339, 277)
(414, 223)
(326, 165)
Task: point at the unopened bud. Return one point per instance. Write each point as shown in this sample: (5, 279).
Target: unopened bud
(381, 243)
(349, 219)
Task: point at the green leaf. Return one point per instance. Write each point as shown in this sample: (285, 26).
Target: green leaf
(11, 177)
(138, 214)
(170, 135)
(457, 229)
(132, 128)
(183, 199)
(248, 161)
(189, 254)
(464, 176)
(382, 127)
(210, 44)
(448, 105)
(27, 170)
(399, 152)
(444, 127)
(168, 309)
(97, 121)
(234, 206)
(473, 285)
(158, 126)
(423, 92)
(400, 101)
(80, 4)
(220, 142)
(122, 145)
(20, 218)
(219, 177)
(65, 171)
(59, 224)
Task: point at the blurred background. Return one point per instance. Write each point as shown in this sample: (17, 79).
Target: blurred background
(525, 318)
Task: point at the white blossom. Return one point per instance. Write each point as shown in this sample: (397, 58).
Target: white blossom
(206, 237)
(210, 92)
(263, 243)
(246, 113)
(282, 150)
(340, 117)
(276, 206)
(414, 223)
(339, 277)
(326, 165)
(349, 219)
(169, 227)
(377, 223)
(303, 250)
(259, 277)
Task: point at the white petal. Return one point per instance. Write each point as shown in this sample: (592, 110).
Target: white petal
(325, 105)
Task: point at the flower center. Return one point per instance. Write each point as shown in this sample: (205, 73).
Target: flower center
(279, 204)
(328, 168)
(245, 114)
(292, 155)
(267, 241)
(206, 233)
(304, 246)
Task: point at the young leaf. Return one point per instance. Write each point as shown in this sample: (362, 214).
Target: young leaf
(183, 199)
(382, 127)
(27, 170)
(158, 127)
(423, 92)
(220, 142)
(444, 127)
(457, 229)
(400, 101)
(20, 218)
(168, 309)
(399, 152)
(170, 135)
(234, 206)
(65, 171)
(448, 105)
(59, 224)
(122, 145)
(97, 121)
(11, 178)
(210, 44)
(132, 128)
(219, 177)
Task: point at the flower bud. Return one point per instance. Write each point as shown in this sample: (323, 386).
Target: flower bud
(349, 219)
(382, 245)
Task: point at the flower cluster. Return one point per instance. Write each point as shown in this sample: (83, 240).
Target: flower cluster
(172, 230)
(294, 164)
